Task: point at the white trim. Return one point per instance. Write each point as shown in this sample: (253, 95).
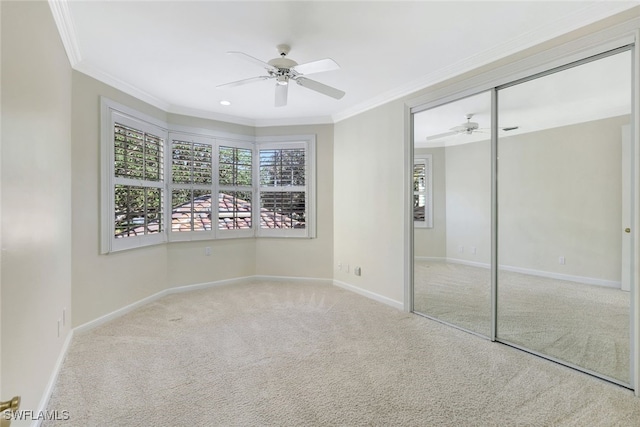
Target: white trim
(129, 116)
(427, 161)
(554, 28)
(543, 34)
(111, 113)
(307, 280)
(372, 295)
(308, 143)
(294, 121)
(256, 123)
(539, 273)
(178, 289)
(62, 17)
(431, 258)
(210, 133)
(564, 54)
(408, 224)
(188, 288)
(86, 327)
(122, 86)
(53, 379)
(559, 276)
(635, 222)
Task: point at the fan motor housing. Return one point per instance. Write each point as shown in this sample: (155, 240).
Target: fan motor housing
(282, 62)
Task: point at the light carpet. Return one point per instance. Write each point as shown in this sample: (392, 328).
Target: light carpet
(290, 354)
(585, 325)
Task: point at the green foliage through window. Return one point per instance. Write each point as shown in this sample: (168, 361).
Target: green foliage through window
(234, 165)
(138, 210)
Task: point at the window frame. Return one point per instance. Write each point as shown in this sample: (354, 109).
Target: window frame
(236, 233)
(308, 143)
(112, 112)
(188, 235)
(427, 161)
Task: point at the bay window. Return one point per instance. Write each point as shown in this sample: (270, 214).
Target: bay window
(160, 184)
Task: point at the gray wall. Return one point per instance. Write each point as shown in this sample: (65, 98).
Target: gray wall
(36, 199)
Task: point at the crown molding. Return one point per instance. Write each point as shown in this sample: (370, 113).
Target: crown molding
(121, 85)
(295, 121)
(551, 29)
(548, 31)
(62, 18)
(245, 121)
(210, 115)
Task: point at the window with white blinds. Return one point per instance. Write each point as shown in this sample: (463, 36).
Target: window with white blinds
(188, 184)
(422, 189)
(285, 192)
(191, 186)
(235, 188)
(137, 174)
(133, 182)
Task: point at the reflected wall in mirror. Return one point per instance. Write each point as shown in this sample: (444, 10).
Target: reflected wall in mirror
(561, 192)
(452, 213)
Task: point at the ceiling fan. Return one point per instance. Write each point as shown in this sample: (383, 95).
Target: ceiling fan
(466, 128)
(284, 70)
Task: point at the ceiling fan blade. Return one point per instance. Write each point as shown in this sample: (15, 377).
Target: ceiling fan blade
(319, 66)
(244, 81)
(442, 135)
(320, 87)
(281, 95)
(253, 60)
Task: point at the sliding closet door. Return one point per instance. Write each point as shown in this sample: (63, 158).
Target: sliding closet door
(562, 153)
(452, 213)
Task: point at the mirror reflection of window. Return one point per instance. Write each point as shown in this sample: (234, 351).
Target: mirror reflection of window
(422, 200)
(452, 189)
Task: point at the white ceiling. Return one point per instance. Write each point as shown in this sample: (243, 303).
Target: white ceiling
(172, 54)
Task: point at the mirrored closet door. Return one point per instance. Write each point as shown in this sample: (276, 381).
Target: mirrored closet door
(561, 192)
(452, 213)
(523, 235)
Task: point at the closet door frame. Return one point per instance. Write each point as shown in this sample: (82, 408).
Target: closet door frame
(553, 60)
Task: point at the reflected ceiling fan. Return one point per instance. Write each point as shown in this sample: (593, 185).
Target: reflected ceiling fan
(466, 128)
(284, 70)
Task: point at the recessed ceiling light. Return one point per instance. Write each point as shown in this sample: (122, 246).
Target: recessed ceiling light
(225, 103)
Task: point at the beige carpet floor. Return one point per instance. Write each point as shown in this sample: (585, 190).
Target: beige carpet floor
(585, 325)
(300, 354)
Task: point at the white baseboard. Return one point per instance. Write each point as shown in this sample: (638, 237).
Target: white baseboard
(470, 263)
(46, 395)
(430, 258)
(560, 276)
(126, 309)
(187, 288)
(531, 272)
(309, 280)
(44, 401)
(377, 297)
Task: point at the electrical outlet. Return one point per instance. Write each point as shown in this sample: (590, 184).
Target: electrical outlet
(357, 271)
(474, 250)
(561, 260)
(339, 266)
(461, 249)
(207, 250)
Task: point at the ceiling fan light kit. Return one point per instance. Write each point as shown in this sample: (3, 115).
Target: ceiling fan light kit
(283, 70)
(467, 128)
